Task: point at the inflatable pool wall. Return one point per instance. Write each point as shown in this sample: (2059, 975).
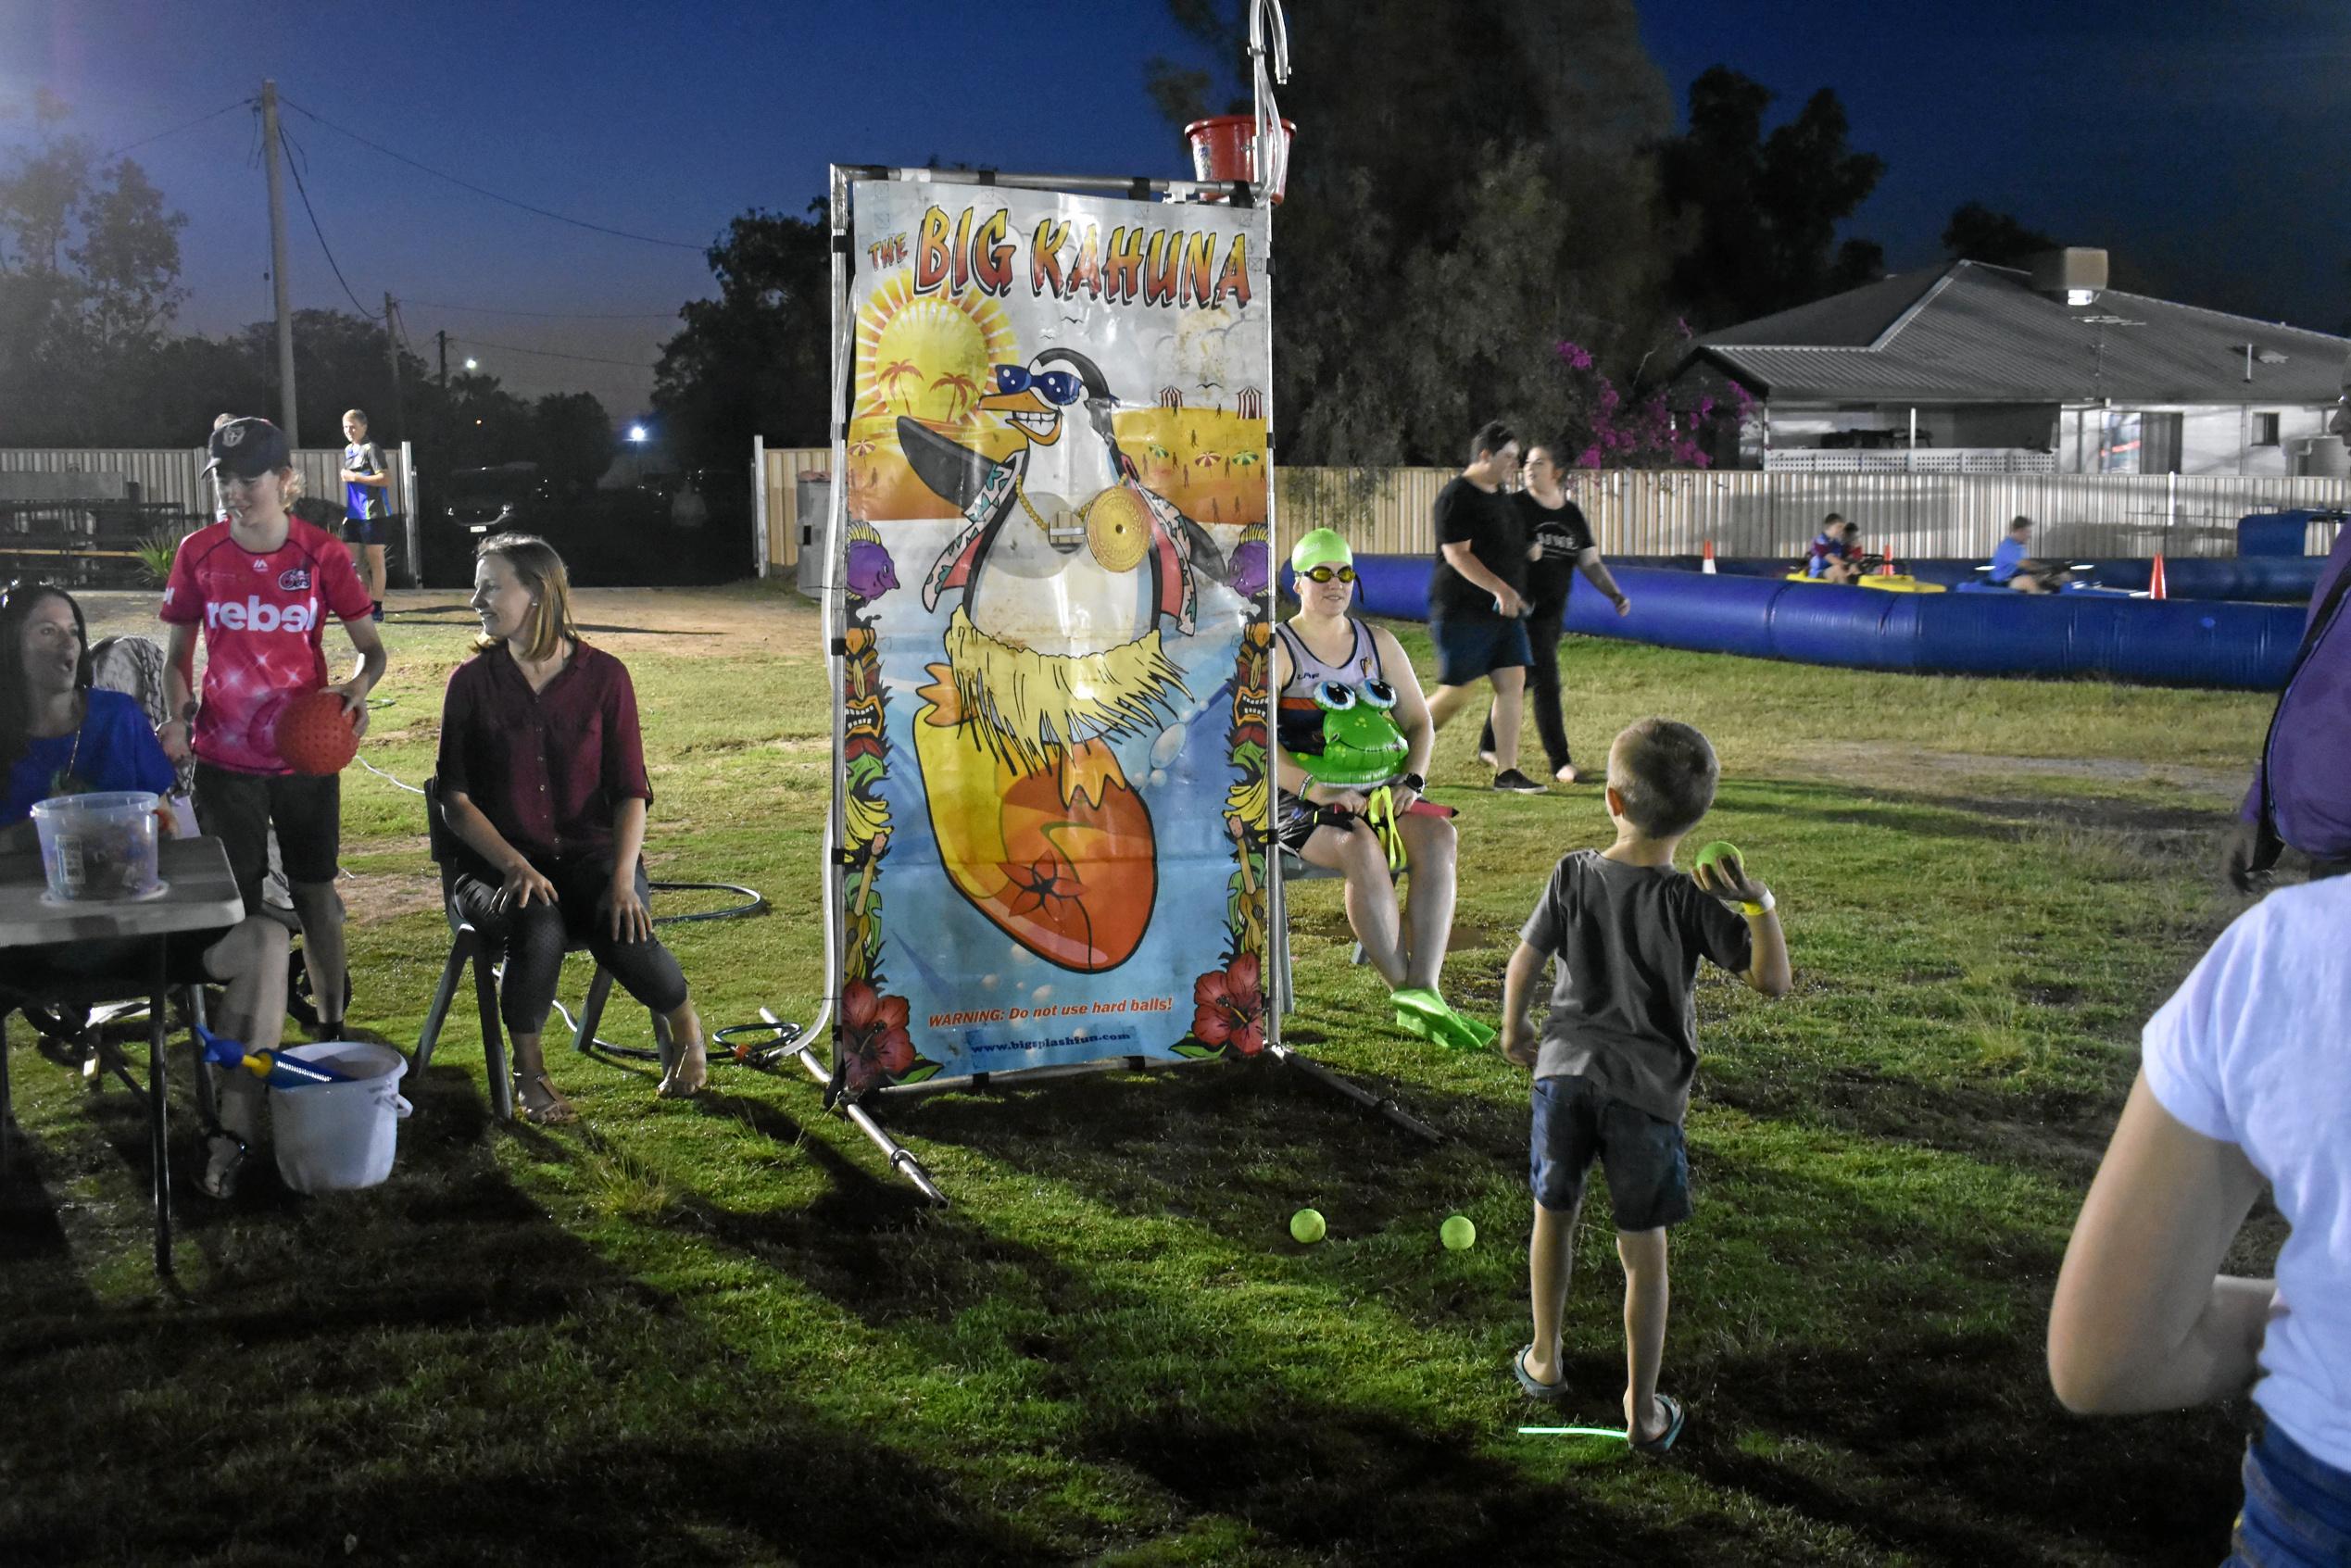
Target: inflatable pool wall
(2273, 579)
(2174, 642)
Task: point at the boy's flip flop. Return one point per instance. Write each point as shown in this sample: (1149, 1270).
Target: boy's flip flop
(1664, 1439)
(1547, 1393)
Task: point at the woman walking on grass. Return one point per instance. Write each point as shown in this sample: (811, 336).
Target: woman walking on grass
(542, 779)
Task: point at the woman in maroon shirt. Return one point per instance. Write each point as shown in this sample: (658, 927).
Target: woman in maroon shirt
(541, 774)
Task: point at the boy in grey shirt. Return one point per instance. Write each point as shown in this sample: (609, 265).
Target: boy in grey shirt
(1615, 1058)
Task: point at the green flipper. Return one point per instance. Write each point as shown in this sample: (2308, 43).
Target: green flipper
(1422, 1012)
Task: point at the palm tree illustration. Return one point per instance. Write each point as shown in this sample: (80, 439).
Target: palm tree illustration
(895, 372)
(961, 393)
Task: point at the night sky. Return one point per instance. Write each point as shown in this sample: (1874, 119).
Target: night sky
(2204, 142)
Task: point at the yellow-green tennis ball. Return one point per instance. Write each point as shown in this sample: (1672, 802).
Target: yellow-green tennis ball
(1457, 1233)
(1719, 850)
(1306, 1225)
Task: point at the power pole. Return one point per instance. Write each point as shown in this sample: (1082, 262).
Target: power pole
(392, 352)
(270, 149)
(443, 338)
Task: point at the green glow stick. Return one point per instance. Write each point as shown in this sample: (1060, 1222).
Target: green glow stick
(1574, 1432)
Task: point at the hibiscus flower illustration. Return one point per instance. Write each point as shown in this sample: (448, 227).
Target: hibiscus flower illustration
(1228, 1008)
(874, 1044)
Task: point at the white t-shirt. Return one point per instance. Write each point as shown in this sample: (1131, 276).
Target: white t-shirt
(2255, 1049)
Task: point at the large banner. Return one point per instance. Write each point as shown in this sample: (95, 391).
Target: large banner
(1055, 762)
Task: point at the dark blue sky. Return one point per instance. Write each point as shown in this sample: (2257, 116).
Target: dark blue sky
(2200, 147)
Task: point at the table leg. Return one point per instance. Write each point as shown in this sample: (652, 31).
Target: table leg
(159, 1095)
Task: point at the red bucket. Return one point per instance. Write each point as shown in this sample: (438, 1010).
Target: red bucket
(1221, 152)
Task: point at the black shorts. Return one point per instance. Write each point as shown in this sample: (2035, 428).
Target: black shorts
(364, 530)
(240, 808)
(1471, 647)
(1647, 1165)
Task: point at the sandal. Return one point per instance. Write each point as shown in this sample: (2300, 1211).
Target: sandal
(1548, 1393)
(557, 1112)
(1664, 1439)
(225, 1158)
(674, 1084)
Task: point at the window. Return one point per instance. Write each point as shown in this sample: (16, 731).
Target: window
(2264, 430)
(2161, 451)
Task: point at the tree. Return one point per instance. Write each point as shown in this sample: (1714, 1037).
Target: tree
(573, 441)
(1978, 233)
(1765, 209)
(89, 279)
(758, 359)
(1467, 187)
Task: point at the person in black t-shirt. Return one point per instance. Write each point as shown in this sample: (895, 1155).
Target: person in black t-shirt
(1562, 546)
(1476, 595)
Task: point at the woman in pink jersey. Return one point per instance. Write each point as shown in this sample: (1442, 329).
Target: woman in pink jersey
(258, 588)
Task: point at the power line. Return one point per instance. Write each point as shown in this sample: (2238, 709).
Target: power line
(295, 168)
(483, 191)
(134, 147)
(560, 315)
(551, 354)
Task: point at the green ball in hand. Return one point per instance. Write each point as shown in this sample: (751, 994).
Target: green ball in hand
(1307, 1225)
(1457, 1233)
(1721, 849)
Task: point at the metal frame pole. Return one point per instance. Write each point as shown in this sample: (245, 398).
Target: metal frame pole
(901, 1159)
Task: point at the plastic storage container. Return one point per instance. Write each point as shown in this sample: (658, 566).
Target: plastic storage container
(96, 848)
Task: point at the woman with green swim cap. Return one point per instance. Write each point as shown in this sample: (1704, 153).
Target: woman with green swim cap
(1347, 708)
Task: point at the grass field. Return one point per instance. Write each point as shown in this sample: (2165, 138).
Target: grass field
(720, 1332)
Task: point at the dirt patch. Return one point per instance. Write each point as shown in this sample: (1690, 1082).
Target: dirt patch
(371, 896)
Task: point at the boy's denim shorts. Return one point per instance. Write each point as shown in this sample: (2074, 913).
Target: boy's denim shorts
(2297, 1508)
(1648, 1167)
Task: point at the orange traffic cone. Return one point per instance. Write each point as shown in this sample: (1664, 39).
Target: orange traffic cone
(2155, 578)
(1886, 567)
(1706, 559)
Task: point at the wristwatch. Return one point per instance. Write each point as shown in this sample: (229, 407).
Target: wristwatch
(1414, 781)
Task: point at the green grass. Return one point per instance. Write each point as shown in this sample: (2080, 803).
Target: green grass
(723, 1333)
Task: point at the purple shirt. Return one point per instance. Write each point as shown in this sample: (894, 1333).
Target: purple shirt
(2307, 761)
(546, 767)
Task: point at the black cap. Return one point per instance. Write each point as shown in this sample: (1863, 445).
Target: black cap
(248, 448)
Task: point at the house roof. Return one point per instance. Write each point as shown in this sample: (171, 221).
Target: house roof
(1966, 333)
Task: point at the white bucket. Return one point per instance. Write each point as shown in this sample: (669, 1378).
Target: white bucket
(332, 1137)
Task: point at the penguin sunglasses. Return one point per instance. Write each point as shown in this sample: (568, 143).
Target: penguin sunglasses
(1060, 387)
(1325, 573)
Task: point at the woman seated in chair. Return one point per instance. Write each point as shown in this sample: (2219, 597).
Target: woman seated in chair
(1348, 827)
(542, 779)
(60, 735)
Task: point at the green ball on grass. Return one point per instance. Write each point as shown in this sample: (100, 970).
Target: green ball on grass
(1458, 1234)
(1307, 1226)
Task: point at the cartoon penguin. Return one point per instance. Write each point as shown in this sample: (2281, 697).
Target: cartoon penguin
(1067, 566)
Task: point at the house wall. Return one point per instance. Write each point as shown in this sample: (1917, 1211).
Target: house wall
(2213, 436)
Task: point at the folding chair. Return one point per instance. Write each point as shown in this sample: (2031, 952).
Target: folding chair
(1296, 868)
(469, 945)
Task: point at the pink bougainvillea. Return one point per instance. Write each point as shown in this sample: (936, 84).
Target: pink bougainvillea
(1609, 425)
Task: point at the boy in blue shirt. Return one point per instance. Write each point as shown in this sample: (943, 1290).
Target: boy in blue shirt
(366, 501)
(1615, 1058)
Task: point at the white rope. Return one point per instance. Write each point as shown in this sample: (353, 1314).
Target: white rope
(386, 777)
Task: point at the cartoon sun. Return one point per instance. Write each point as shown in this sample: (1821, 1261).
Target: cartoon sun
(929, 352)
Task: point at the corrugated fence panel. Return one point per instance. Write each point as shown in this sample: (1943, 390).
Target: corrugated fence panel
(1743, 512)
(174, 476)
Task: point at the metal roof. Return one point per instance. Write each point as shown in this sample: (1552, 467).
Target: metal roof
(1966, 333)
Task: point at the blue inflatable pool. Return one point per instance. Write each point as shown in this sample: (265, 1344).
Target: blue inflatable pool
(2173, 642)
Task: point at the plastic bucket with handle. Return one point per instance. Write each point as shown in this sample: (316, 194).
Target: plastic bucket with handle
(332, 1137)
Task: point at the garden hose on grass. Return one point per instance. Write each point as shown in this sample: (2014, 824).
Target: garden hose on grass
(756, 904)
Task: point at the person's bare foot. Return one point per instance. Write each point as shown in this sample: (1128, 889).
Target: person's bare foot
(1492, 760)
(1566, 774)
(688, 1076)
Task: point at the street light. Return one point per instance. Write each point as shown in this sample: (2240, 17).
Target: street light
(472, 364)
(636, 434)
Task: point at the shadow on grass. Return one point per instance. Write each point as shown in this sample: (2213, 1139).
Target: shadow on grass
(437, 1370)
(1918, 814)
